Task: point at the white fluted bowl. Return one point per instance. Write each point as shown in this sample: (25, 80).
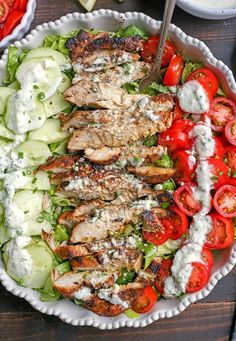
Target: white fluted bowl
(225, 260)
(23, 26)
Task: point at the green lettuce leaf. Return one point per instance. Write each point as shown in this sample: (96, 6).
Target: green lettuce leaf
(125, 277)
(164, 161)
(130, 313)
(154, 89)
(57, 42)
(131, 87)
(60, 233)
(14, 59)
(188, 68)
(150, 141)
(130, 31)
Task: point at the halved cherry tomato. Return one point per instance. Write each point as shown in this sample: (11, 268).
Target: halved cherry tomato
(198, 278)
(230, 131)
(162, 274)
(178, 113)
(222, 233)
(185, 164)
(184, 198)
(20, 5)
(219, 172)
(13, 20)
(145, 301)
(153, 230)
(219, 150)
(225, 201)
(174, 71)
(178, 222)
(10, 3)
(205, 77)
(230, 159)
(183, 125)
(4, 11)
(207, 257)
(150, 49)
(222, 110)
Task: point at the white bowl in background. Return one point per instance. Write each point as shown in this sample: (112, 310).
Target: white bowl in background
(23, 26)
(225, 259)
(205, 12)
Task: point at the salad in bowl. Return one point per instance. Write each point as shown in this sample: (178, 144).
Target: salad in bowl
(112, 198)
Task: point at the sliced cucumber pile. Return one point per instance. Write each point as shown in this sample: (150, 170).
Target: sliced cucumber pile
(4, 94)
(49, 133)
(26, 179)
(47, 52)
(33, 152)
(5, 132)
(56, 104)
(29, 202)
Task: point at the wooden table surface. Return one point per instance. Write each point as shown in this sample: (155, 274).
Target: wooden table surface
(208, 320)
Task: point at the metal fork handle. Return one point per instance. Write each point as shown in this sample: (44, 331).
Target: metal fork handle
(168, 12)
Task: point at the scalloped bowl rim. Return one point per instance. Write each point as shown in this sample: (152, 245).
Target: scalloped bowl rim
(64, 309)
(22, 27)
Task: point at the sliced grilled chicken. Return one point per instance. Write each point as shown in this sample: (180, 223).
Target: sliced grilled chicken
(152, 219)
(104, 185)
(152, 174)
(61, 164)
(102, 307)
(69, 283)
(148, 275)
(85, 43)
(71, 251)
(107, 222)
(109, 260)
(71, 218)
(118, 75)
(133, 155)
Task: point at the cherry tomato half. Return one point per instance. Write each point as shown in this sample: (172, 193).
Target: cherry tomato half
(150, 49)
(206, 77)
(174, 71)
(184, 198)
(230, 132)
(230, 158)
(178, 221)
(145, 301)
(219, 172)
(185, 164)
(162, 274)
(225, 201)
(12, 21)
(4, 11)
(207, 257)
(10, 3)
(222, 110)
(198, 278)
(222, 233)
(219, 150)
(20, 5)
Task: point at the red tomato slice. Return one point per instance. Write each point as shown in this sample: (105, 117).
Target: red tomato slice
(219, 172)
(13, 20)
(150, 49)
(153, 230)
(20, 5)
(185, 200)
(222, 233)
(219, 150)
(174, 71)
(205, 76)
(185, 164)
(225, 201)
(10, 3)
(4, 11)
(222, 110)
(178, 221)
(162, 274)
(174, 140)
(207, 258)
(230, 132)
(184, 125)
(198, 278)
(145, 301)
(230, 158)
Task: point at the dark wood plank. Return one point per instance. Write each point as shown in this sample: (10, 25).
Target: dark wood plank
(217, 319)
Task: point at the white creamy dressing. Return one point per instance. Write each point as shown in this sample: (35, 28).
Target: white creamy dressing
(112, 295)
(83, 294)
(216, 4)
(203, 148)
(19, 262)
(144, 105)
(193, 98)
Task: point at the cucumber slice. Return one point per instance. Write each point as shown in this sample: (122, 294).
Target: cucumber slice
(24, 112)
(65, 83)
(26, 179)
(15, 85)
(33, 152)
(5, 92)
(3, 234)
(43, 74)
(33, 228)
(4, 132)
(88, 4)
(56, 104)
(29, 203)
(47, 52)
(50, 132)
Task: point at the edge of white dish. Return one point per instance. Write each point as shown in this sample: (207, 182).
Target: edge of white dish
(197, 50)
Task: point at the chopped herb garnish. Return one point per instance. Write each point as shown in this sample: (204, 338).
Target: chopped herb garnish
(20, 155)
(165, 204)
(35, 86)
(221, 173)
(23, 173)
(34, 180)
(35, 189)
(40, 220)
(41, 96)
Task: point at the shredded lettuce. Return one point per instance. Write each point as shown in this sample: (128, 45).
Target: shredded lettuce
(60, 201)
(130, 313)
(130, 31)
(60, 233)
(164, 161)
(149, 250)
(15, 58)
(150, 141)
(188, 68)
(169, 185)
(154, 89)
(125, 277)
(131, 87)
(58, 43)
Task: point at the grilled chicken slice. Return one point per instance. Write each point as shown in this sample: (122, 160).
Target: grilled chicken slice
(61, 164)
(102, 307)
(104, 185)
(118, 75)
(152, 219)
(85, 43)
(105, 223)
(148, 275)
(133, 155)
(152, 174)
(109, 260)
